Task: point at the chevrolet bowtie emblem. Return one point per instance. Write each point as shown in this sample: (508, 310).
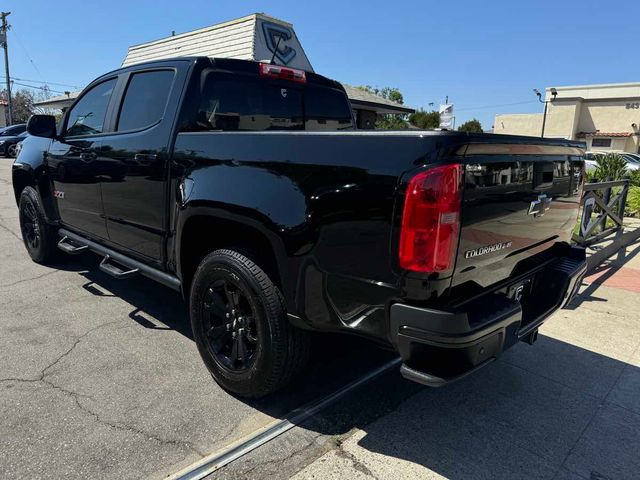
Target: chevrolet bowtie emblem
(540, 206)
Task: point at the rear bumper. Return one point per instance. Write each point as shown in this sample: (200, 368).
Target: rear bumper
(441, 346)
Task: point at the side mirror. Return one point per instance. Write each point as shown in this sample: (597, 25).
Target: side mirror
(42, 126)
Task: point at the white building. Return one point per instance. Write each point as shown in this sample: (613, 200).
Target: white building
(606, 116)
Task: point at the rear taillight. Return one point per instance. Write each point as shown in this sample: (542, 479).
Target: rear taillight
(431, 220)
(276, 71)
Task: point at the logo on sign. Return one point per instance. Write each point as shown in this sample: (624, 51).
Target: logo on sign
(276, 37)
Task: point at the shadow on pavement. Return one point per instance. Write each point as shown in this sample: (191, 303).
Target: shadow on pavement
(541, 412)
(335, 360)
(609, 267)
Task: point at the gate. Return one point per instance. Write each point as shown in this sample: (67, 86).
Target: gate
(600, 202)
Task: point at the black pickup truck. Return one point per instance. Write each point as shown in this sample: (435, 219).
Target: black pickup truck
(245, 186)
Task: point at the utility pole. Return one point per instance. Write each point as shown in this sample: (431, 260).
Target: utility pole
(4, 28)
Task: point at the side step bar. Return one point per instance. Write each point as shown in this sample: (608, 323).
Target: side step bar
(114, 271)
(73, 243)
(67, 246)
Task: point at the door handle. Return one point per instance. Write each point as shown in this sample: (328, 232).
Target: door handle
(88, 156)
(145, 158)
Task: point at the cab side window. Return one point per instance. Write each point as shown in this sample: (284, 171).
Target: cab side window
(145, 99)
(88, 115)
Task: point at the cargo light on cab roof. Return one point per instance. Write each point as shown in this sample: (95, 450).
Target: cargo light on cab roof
(276, 71)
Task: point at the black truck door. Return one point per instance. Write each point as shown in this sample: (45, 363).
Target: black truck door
(136, 153)
(73, 162)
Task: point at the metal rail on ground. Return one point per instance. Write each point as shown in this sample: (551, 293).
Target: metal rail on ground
(215, 461)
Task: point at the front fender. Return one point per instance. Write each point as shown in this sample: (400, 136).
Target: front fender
(30, 169)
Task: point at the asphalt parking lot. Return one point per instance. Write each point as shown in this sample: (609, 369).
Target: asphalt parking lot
(100, 379)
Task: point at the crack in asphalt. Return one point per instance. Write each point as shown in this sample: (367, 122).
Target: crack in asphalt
(18, 282)
(42, 378)
(357, 464)
(11, 232)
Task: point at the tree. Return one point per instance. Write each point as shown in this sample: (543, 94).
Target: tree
(389, 93)
(388, 121)
(471, 126)
(21, 105)
(425, 120)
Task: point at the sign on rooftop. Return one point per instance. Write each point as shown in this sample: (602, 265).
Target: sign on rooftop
(254, 37)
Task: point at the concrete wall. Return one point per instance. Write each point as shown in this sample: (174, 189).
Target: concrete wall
(519, 124)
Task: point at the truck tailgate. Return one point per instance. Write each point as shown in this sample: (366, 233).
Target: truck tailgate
(518, 200)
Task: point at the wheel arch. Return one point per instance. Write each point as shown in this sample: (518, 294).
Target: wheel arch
(202, 230)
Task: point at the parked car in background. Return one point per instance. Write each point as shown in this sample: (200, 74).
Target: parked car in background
(633, 160)
(13, 130)
(9, 144)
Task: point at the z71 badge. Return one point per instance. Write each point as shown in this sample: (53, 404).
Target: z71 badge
(476, 252)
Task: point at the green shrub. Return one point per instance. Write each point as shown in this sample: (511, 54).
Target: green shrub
(633, 201)
(611, 166)
(634, 178)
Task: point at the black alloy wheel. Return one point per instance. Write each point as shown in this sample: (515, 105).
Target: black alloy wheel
(230, 324)
(29, 226)
(12, 150)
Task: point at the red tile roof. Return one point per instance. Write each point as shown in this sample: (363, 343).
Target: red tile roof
(598, 133)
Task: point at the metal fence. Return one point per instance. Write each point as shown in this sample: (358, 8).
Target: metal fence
(601, 202)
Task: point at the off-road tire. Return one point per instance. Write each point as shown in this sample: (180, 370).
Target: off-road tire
(282, 350)
(30, 210)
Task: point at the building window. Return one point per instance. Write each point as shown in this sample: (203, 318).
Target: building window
(601, 142)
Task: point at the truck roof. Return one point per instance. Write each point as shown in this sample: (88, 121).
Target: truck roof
(233, 64)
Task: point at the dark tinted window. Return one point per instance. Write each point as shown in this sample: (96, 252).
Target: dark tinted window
(327, 109)
(601, 142)
(17, 130)
(87, 116)
(145, 99)
(247, 105)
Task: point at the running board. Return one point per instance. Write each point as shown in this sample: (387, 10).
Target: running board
(67, 247)
(115, 271)
(134, 267)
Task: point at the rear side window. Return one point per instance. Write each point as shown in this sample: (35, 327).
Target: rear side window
(87, 116)
(145, 100)
(14, 130)
(245, 105)
(327, 109)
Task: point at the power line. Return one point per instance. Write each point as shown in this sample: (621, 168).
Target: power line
(44, 82)
(495, 106)
(35, 67)
(44, 89)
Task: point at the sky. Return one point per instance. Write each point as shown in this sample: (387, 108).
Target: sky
(487, 57)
